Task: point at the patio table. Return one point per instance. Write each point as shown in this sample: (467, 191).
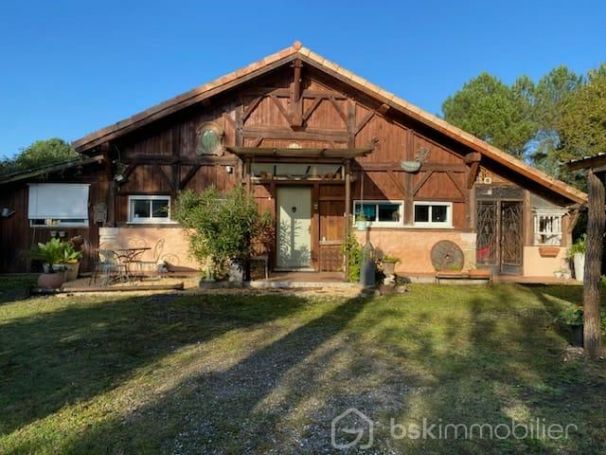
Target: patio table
(127, 256)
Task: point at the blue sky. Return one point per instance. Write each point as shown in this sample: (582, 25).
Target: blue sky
(71, 67)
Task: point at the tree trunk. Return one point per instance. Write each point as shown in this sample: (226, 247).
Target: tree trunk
(592, 337)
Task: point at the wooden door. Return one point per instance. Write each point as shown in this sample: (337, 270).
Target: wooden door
(294, 228)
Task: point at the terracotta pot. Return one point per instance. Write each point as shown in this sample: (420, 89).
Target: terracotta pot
(71, 271)
(51, 280)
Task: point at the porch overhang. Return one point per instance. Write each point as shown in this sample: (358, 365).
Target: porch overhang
(302, 153)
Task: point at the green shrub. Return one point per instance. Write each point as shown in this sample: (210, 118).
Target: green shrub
(222, 227)
(579, 246)
(353, 252)
(572, 315)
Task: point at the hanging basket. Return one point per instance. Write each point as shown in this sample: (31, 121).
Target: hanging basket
(362, 225)
(410, 166)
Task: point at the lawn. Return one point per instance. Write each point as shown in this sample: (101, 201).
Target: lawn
(239, 373)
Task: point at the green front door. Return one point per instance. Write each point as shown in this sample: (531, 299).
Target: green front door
(294, 228)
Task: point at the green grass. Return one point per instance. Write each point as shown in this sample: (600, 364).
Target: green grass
(250, 374)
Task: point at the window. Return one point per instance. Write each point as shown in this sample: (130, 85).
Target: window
(380, 213)
(433, 214)
(548, 227)
(58, 204)
(149, 209)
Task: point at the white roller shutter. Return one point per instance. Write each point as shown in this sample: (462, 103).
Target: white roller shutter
(58, 201)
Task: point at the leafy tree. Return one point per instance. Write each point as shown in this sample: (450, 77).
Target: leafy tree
(582, 125)
(494, 112)
(551, 95)
(40, 153)
(222, 227)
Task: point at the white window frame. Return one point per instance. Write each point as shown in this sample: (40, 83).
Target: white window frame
(151, 219)
(433, 224)
(377, 223)
(556, 226)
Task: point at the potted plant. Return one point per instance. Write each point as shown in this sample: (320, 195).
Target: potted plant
(388, 264)
(70, 261)
(577, 254)
(572, 318)
(51, 254)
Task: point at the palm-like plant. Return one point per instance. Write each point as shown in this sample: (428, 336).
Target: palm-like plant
(51, 253)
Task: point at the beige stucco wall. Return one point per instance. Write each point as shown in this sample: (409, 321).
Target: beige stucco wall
(536, 265)
(413, 247)
(175, 249)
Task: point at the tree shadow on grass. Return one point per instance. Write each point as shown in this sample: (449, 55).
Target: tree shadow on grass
(62, 356)
(512, 369)
(486, 358)
(224, 411)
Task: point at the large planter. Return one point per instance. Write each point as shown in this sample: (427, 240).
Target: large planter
(579, 266)
(71, 270)
(576, 335)
(51, 280)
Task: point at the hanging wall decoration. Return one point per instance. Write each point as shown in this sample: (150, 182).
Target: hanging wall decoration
(209, 139)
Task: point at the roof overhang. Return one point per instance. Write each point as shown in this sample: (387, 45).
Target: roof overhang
(299, 153)
(49, 169)
(588, 162)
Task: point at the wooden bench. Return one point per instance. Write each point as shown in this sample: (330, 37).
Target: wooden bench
(471, 275)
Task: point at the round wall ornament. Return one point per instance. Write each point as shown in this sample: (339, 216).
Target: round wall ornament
(209, 139)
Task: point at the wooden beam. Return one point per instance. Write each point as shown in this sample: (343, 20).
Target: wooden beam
(333, 101)
(160, 171)
(453, 180)
(420, 183)
(347, 213)
(250, 108)
(296, 118)
(364, 121)
(351, 124)
(169, 160)
(311, 134)
(190, 174)
(473, 174)
(397, 183)
(312, 108)
(383, 108)
(472, 157)
(281, 108)
(592, 326)
(286, 93)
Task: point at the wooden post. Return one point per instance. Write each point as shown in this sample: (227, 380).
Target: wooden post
(592, 336)
(296, 114)
(347, 211)
(247, 171)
